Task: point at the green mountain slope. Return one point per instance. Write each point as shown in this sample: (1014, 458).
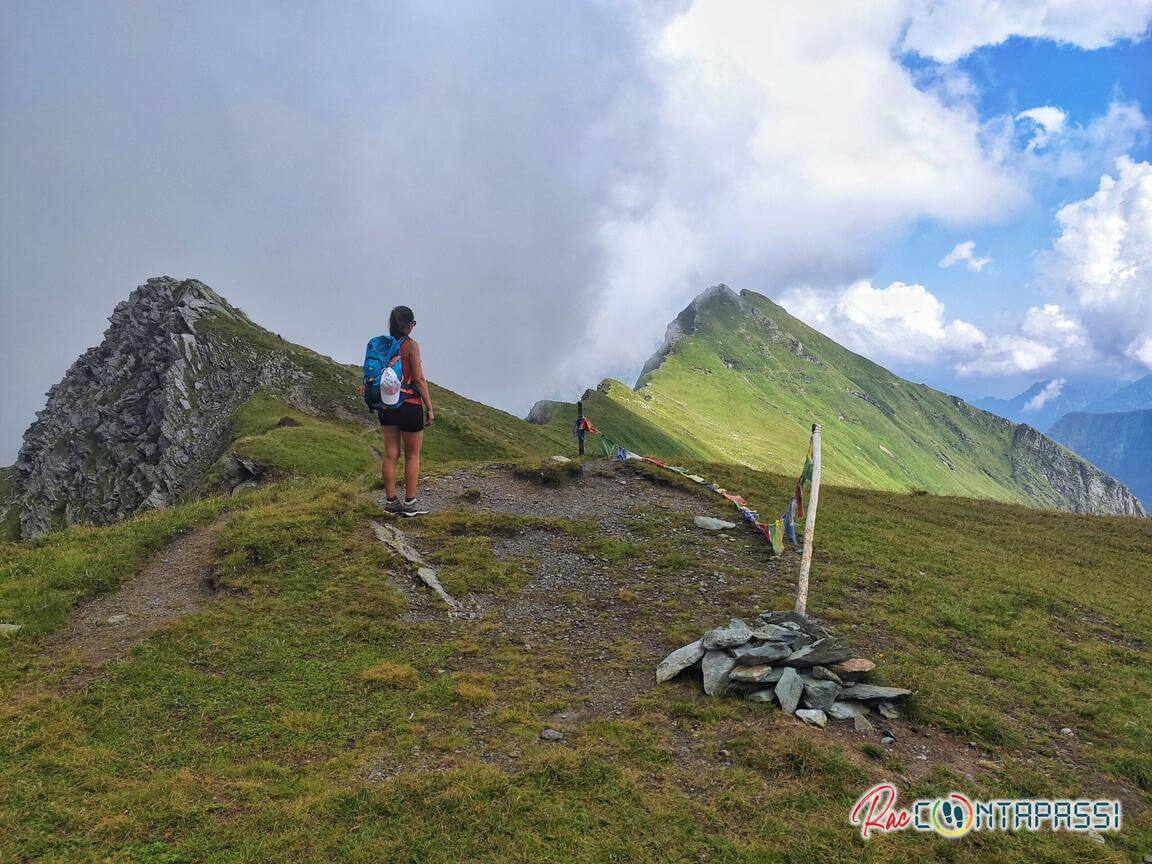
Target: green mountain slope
(464, 429)
(331, 414)
(1119, 442)
(740, 380)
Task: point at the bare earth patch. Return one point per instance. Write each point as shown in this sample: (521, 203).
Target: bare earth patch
(610, 619)
(175, 582)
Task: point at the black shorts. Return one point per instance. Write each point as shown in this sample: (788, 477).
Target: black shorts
(407, 417)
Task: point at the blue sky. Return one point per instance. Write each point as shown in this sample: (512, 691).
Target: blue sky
(548, 184)
(1015, 76)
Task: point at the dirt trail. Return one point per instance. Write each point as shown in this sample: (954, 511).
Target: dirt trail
(610, 616)
(174, 582)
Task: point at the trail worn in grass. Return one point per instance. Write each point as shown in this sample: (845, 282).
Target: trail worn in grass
(176, 581)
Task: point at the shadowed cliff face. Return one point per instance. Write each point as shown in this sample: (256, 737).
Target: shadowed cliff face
(1081, 486)
(136, 418)
(1119, 442)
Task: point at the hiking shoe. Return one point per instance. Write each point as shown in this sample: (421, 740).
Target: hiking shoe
(393, 505)
(410, 508)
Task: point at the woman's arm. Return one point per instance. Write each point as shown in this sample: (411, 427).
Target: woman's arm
(418, 379)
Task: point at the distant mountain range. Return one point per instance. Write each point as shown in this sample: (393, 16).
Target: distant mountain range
(740, 380)
(1136, 396)
(1112, 432)
(1043, 403)
(1120, 442)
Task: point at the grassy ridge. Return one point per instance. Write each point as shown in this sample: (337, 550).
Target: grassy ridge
(745, 385)
(335, 435)
(313, 714)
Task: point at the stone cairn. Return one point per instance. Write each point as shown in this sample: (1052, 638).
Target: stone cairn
(792, 661)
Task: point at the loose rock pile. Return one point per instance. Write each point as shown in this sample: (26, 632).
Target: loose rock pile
(790, 660)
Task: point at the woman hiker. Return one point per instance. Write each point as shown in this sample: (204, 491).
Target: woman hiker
(405, 423)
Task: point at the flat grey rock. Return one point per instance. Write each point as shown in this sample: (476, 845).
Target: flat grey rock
(768, 694)
(678, 661)
(796, 619)
(873, 691)
(11, 629)
(813, 717)
(710, 524)
(773, 632)
(824, 652)
(846, 709)
(735, 634)
(757, 655)
(888, 710)
(751, 674)
(820, 695)
(716, 666)
(862, 725)
(825, 674)
(552, 735)
(788, 691)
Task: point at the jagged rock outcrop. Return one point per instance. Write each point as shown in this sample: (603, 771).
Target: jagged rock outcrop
(138, 417)
(1047, 468)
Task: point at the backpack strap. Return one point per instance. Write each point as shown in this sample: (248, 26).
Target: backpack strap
(407, 388)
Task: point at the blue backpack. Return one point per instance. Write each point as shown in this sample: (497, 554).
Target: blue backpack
(383, 373)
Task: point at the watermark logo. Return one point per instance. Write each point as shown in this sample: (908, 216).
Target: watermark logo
(956, 815)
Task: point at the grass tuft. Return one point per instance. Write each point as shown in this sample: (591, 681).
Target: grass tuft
(399, 676)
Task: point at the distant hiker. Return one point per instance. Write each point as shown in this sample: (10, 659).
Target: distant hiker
(405, 421)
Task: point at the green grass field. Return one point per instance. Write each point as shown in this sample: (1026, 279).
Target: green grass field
(306, 717)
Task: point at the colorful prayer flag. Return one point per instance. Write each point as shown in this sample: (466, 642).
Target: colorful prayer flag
(790, 522)
(777, 536)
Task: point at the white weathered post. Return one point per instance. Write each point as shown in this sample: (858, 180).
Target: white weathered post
(809, 524)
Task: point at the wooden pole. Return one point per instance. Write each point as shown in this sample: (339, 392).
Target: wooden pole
(580, 431)
(809, 525)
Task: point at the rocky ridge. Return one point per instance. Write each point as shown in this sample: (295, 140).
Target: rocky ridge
(140, 416)
(1078, 485)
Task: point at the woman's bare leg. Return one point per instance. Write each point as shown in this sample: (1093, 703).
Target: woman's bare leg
(390, 460)
(412, 444)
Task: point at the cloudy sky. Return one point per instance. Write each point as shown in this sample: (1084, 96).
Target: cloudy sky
(960, 189)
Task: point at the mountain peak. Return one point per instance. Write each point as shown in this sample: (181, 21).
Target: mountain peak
(180, 300)
(686, 322)
(136, 418)
(739, 379)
